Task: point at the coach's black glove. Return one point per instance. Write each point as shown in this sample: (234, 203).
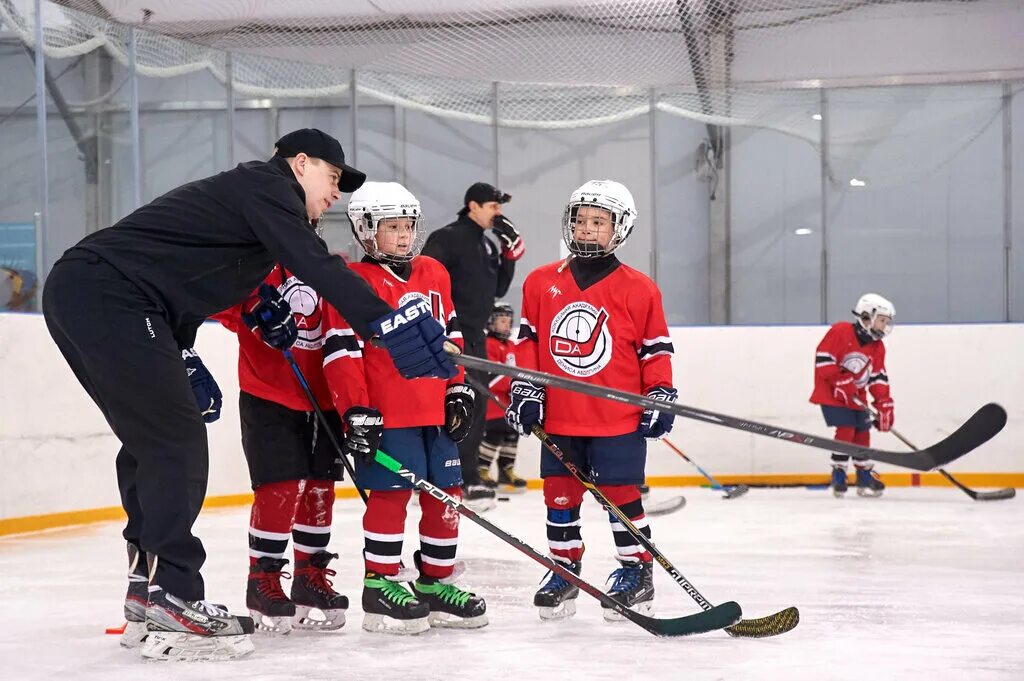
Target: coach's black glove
(364, 427)
(269, 314)
(512, 246)
(459, 403)
(208, 396)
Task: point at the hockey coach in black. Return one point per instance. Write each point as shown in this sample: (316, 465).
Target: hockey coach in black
(125, 303)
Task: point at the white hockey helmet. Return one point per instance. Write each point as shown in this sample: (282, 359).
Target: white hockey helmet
(613, 197)
(378, 201)
(867, 310)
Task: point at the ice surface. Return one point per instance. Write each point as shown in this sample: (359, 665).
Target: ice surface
(920, 584)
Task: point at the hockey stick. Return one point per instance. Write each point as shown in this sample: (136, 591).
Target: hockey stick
(980, 428)
(731, 492)
(666, 507)
(718, 617)
(996, 495)
(772, 625)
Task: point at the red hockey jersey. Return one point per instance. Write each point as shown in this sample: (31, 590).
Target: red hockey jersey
(504, 352)
(362, 375)
(840, 350)
(262, 370)
(611, 334)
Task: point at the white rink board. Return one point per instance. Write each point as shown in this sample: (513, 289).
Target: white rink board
(57, 453)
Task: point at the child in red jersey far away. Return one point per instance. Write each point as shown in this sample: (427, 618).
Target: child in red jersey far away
(417, 422)
(601, 321)
(849, 363)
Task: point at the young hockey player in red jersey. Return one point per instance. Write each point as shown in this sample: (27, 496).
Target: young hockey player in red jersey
(850, 361)
(417, 422)
(291, 464)
(500, 440)
(600, 321)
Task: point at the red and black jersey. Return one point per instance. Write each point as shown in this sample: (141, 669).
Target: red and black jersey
(609, 331)
(262, 370)
(362, 375)
(504, 352)
(842, 350)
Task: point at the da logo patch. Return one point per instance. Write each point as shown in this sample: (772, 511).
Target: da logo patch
(580, 342)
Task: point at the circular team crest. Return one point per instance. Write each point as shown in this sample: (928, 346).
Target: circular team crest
(856, 363)
(580, 342)
(305, 305)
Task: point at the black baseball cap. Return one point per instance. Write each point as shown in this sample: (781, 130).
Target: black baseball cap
(481, 192)
(319, 144)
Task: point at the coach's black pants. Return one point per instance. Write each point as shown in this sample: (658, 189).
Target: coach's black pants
(123, 353)
(475, 345)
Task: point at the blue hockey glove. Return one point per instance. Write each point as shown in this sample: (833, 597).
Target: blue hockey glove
(656, 424)
(208, 396)
(270, 317)
(415, 341)
(525, 407)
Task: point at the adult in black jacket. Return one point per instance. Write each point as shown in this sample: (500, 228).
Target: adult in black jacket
(481, 271)
(125, 303)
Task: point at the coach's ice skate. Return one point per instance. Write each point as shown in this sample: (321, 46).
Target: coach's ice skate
(838, 480)
(135, 600)
(389, 607)
(272, 611)
(556, 599)
(181, 630)
(868, 482)
(317, 605)
(633, 587)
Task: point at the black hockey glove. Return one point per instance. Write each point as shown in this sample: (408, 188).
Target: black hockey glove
(415, 341)
(459, 404)
(512, 247)
(656, 424)
(364, 427)
(526, 406)
(208, 396)
(270, 315)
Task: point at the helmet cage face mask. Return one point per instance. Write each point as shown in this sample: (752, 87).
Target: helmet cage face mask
(606, 195)
(500, 310)
(366, 224)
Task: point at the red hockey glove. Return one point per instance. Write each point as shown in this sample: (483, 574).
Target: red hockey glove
(886, 415)
(512, 247)
(844, 389)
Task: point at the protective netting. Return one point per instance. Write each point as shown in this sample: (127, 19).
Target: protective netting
(546, 64)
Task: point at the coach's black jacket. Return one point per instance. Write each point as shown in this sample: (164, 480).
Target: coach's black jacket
(205, 246)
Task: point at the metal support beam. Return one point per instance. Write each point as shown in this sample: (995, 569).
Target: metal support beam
(652, 154)
(495, 111)
(43, 214)
(1008, 200)
(825, 175)
(133, 117)
(353, 119)
(229, 84)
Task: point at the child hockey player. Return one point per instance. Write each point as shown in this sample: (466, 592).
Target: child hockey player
(598, 320)
(417, 422)
(291, 461)
(500, 440)
(850, 361)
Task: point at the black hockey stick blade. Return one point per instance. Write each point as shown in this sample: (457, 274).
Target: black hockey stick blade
(665, 507)
(980, 428)
(734, 491)
(763, 627)
(996, 495)
(717, 617)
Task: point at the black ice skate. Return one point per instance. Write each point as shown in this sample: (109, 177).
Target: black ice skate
(272, 611)
(509, 482)
(135, 600)
(311, 591)
(556, 599)
(868, 482)
(181, 630)
(479, 498)
(838, 480)
(389, 607)
(633, 587)
(450, 606)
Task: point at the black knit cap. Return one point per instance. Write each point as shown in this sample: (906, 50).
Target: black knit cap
(319, 144)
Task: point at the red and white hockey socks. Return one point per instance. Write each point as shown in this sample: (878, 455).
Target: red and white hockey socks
(270, 522)
(627, 498)
(383, 530)
(439, 535)
(311, 532)
(563, 496)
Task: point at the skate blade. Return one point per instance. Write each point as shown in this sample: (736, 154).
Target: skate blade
(562, 611)
(837, 494)
(271, 626)
(870, 493)
(382, 624)
(176, 646)
(511, 489)
(445, 620)
(481, 505)
(325, 620)
(134, 635)
(644, 608)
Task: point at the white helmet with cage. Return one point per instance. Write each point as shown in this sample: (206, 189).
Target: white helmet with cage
(609, 195)
(375, 205)
(869, 308)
